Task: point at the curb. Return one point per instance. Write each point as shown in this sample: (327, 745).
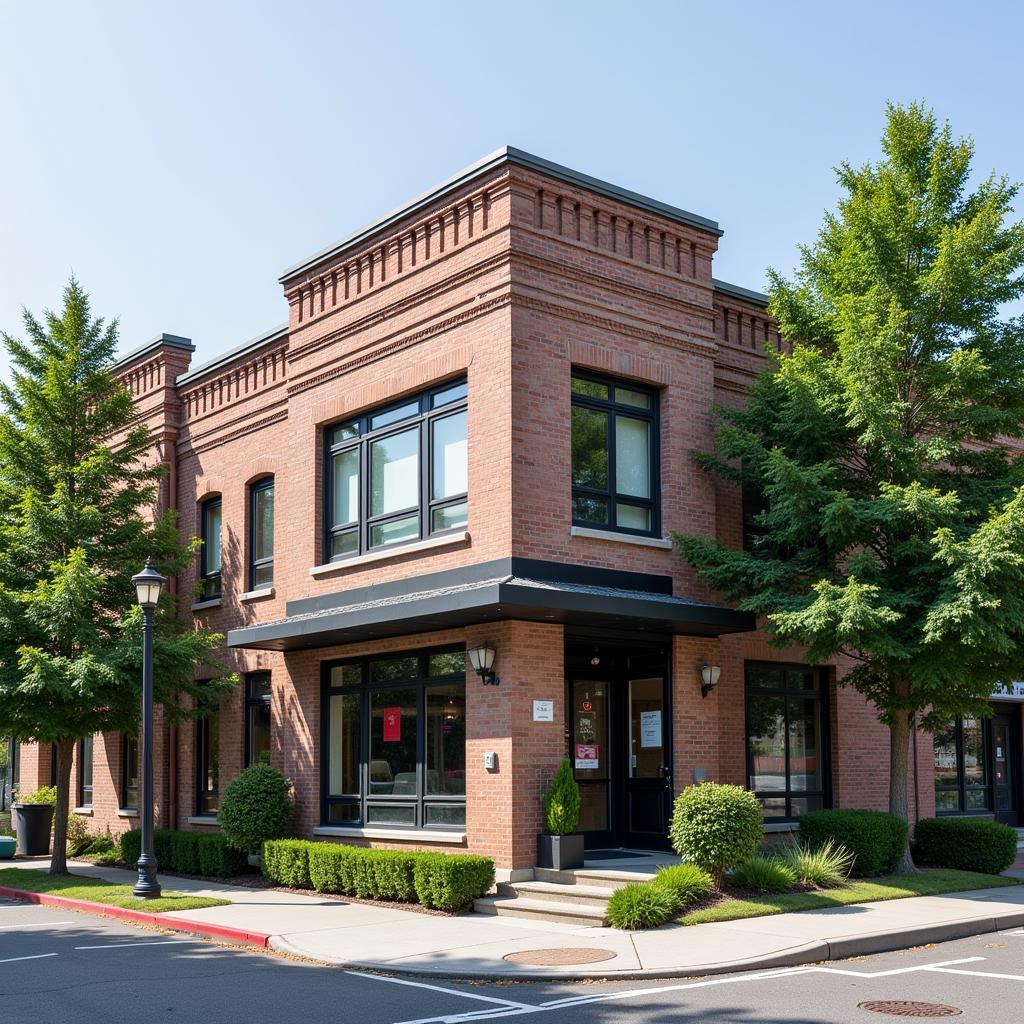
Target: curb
(177, 924)
(802, 953)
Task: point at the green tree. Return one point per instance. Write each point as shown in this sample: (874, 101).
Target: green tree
(78, 490)
(887, 443)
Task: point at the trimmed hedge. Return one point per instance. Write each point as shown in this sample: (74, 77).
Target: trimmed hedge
(191, 853)
(968, 844)
(440, 880)
(875, 838)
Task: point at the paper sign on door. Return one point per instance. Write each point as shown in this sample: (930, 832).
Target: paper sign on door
(392, 725)
(587, 756)
(650, 728)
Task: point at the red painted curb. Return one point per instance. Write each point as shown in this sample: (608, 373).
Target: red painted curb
(220, 931)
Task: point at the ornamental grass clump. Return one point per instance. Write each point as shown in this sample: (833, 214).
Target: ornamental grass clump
(687, 883)
(826, 867)
(716, 827)
(763, 874)
(641, 905)
(562, 802)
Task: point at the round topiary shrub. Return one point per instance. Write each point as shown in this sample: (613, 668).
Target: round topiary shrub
(256, 807)
(716, 827)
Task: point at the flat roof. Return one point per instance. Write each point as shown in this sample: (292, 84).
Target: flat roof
(174, 340)
(500, 157)
(738, 292)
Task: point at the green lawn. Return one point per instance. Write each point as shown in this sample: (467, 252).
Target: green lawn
(80, 887)
(929, 882)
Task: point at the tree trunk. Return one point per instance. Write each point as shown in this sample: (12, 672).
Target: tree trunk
(899, 780)
(59, 856)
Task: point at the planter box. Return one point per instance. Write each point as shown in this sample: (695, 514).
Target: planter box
(7, 847)
(560, 852)
(32, 822)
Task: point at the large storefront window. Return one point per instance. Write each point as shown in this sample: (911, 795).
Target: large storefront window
(787, 743)
(962, 784)
(394, 741)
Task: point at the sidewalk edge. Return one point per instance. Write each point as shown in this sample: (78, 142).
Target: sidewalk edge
(177, 924)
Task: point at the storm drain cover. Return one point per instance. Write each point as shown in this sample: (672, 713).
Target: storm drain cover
(560, 957)
(909, 1008)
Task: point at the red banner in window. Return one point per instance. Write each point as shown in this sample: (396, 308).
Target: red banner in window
(392, 725)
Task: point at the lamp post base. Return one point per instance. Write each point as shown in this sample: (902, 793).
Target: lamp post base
(147, 887)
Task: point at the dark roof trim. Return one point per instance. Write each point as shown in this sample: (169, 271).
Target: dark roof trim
(746, 294)
(171, 340)
(246, 348)
(475, 594)
(500, 157)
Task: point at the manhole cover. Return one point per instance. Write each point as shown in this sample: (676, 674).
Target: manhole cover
(560, 957)
(908, 1008)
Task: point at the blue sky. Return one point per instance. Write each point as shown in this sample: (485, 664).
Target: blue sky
(178, 156)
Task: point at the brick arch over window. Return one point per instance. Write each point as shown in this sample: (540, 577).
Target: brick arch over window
(259, 469)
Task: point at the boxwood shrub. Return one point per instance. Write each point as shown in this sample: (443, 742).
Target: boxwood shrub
(448, 882)
(876, 839)
(968, 844)
(191, 853)
(256, 807)
(716, 826)
(286, 862)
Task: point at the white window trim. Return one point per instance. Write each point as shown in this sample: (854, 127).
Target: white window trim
(255, 595)
(443, 541)
(209, 820)
(127, 812)
(85, 810)
(404, 835)
(622, 538)
(213, 602)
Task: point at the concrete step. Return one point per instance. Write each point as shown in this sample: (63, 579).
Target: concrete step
(541, 910)
(603, 878)
(587, 895)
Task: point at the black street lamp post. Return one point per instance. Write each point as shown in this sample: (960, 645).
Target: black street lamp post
(148, 585)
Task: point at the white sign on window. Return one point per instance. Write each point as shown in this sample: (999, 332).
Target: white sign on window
(650, 728)
(543, 710)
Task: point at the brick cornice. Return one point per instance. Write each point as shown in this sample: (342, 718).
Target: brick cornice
(190, 445)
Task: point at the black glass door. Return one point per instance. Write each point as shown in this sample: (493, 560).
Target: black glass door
(646, 772)
(1005, 757)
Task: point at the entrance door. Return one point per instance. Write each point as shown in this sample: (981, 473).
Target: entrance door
(647, 772)
(1005, 754)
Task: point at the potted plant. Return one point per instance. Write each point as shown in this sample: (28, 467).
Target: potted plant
(560, 846)
(32, 817)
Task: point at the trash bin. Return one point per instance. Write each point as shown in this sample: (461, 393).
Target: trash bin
(32, 822)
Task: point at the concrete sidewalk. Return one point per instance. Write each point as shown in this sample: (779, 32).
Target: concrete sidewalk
(359, 935)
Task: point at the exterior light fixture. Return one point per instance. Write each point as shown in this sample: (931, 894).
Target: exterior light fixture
(482, 658)
(148, 585)
(709, 678)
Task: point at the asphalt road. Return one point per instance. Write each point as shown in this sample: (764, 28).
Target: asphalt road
(59, 967)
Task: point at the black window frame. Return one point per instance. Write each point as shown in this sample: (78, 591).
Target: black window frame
(364, 436)
(210, 581)
(422, 683)
(252, 704)
(126, 744)
(612, 409)
(822, 695)
(961, 787)
(83, 761)
(202, 751)
(257, 488)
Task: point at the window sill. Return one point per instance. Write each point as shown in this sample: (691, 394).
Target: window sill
(209, 820)
(781, 826)
(403, 835)
(664, 543)
(443, 541)
(213, 602)
(127, 812)
(255, 595)
(85, 811)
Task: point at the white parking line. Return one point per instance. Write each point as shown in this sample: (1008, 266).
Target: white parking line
(38, 956)
(512, 1009)
(447, 991)
(976, 974)
(129, 945)
(34, 924)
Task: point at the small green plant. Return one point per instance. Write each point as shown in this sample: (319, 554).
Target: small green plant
(641, 905)
(100, 844)
(687, 883)
(79, 836)
(562, 802)
(716, 826)
(763, 874)
(876, 839)
(826, 867)
(968, 844)
(43, 795)
(256, 807)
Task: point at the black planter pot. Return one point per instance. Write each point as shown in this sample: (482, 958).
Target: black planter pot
(32, 822)
(560, 852)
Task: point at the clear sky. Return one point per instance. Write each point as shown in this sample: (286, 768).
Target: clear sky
(178, 156)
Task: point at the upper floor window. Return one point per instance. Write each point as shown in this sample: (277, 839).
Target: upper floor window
(614, 455)
(257, 717)
(261, 534)
(962, 782)
(397, 474)
(209, 556)
(85, 772)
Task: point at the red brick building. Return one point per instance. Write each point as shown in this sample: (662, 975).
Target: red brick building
(474, 431)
